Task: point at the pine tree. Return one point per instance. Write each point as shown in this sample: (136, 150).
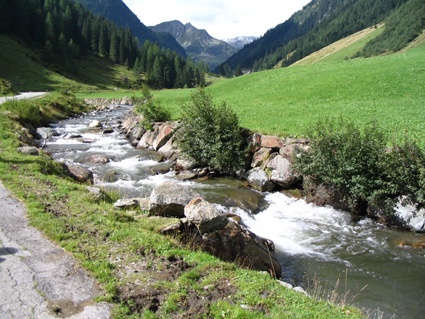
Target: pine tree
(103, 40)
(114, 47)
(50, 28)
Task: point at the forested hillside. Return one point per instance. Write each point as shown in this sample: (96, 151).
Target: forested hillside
(118, 12)
(323, 22)
(62, 31)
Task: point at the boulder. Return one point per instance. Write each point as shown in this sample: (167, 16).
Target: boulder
(79, 173)
(234, 243)
(186, 175)
(183, 164)
(127, 203)
(258, 180)
(169, 199)
(144, 204)
(161, 168)
(99, 159)
(271, 141)
(260, 158)
(135, 135)
(30, 150)
(205, 216)
(129, 122)
(46, 132)
(163, 133)
(292, 147)
(146, 140)
(281, 171)
(95, 124)
(169, 149)
(126, 101)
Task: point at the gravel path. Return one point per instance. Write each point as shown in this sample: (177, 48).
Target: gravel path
(38, 279)
(24, 95)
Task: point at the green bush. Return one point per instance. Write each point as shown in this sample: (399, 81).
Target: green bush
(357, 165)
(211, 134)
(6, 87)
(150, 108)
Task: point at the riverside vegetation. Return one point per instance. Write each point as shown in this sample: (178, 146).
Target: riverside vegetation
(110, 243)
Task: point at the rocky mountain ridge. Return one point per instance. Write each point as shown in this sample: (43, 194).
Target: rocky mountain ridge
(199, 45)
(239, 42)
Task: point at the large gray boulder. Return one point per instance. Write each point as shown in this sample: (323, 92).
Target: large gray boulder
(46, 132)
(169, 199)
(204, 215)
(258, 180)
(281, 171)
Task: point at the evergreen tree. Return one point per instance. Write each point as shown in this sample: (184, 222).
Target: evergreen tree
(114, 47)
(103, 40)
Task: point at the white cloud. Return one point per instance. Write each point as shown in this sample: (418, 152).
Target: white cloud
(221, 18)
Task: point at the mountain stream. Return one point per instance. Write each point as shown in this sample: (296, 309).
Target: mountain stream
(320, 248)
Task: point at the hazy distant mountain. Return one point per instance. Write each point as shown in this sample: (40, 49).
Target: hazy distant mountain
(239, 42)
(118, 12)
(199, 45)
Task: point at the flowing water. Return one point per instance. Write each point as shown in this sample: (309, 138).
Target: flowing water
(320, 248)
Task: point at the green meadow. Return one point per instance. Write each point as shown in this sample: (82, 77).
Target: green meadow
(288, 101)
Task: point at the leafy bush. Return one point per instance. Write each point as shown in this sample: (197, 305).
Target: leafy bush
(211, 134)
(150, 108)
(5, 87)
(358, 166)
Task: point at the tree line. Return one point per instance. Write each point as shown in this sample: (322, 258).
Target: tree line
(64, 30)
(163, 68)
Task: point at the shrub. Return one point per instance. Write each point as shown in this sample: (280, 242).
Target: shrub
(358, 166)
(211, 134)
(6, 87)
(150, 108)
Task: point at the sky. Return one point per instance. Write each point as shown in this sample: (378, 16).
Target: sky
(221, 18)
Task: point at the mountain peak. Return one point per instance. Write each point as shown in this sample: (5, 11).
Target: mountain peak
(199, 45)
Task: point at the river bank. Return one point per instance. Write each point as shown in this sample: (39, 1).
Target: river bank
(312, 242)
(141, 271)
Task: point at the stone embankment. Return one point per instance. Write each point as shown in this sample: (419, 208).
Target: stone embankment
(271, 158)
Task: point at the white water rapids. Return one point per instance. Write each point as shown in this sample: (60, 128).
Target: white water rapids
(313, 243)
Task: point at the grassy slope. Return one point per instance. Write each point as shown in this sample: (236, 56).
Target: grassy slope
(288, 101)
(342, 49)
(21, 66)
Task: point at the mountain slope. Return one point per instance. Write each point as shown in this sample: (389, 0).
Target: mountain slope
(199, 45)
(118, 12)
(342, 49)
(21, 65)
(318, 24)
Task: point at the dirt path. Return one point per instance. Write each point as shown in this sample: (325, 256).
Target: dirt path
(24, 95)
(37, 279)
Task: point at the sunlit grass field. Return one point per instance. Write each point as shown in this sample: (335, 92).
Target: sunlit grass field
(288, 101)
